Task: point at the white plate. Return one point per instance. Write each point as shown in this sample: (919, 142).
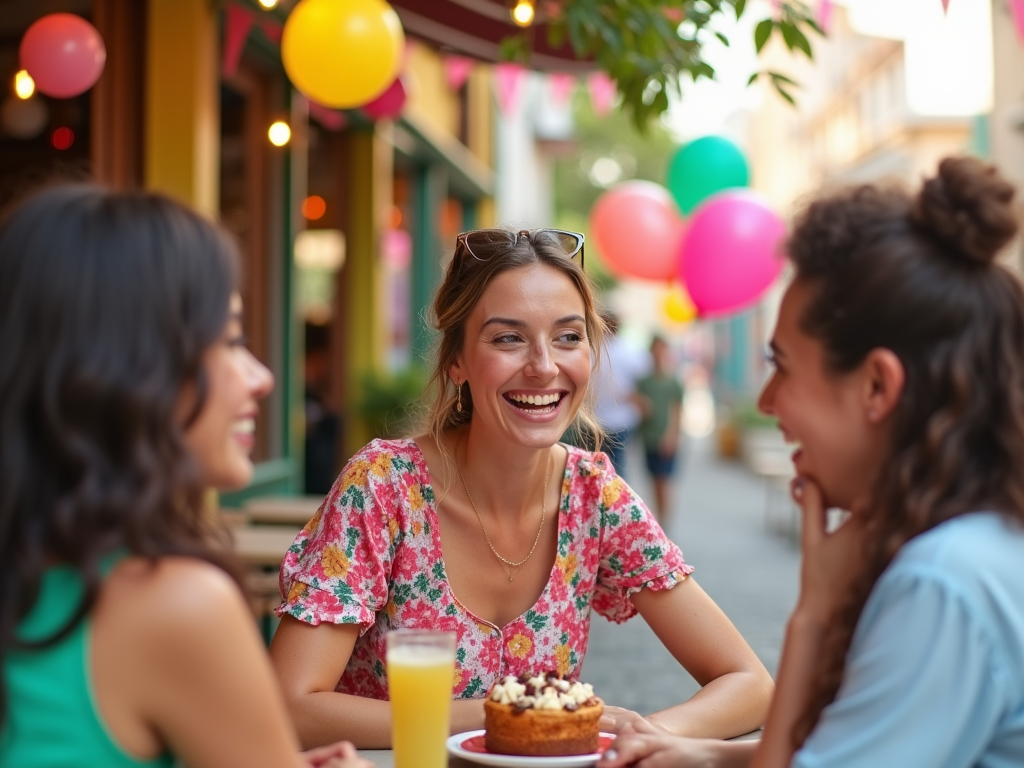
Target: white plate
(517, 761)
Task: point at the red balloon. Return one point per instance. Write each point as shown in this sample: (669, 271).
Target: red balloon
(638, 230)
(64, 54)
(389, 104)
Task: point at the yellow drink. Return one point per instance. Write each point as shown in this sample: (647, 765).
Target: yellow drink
(420, 678)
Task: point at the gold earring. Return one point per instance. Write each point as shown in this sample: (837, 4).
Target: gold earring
(458, 398)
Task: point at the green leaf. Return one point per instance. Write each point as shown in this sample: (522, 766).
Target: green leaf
(753, 77)
(778, 76)
(784, 93)
(740, 7)
(762, 32)
(723, 38)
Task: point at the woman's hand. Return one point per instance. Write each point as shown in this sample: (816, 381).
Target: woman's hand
(341, 754)
(831, 561)
(618, 720)
(647, 750)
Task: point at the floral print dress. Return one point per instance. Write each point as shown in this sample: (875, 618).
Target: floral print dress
(372, 556)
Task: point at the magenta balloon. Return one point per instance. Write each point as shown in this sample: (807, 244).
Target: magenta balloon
(731, 252)
(389, 104)
(64, 54)
(638, 229)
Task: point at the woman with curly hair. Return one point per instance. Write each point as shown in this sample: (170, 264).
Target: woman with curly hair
(126, 391)
(899, 369)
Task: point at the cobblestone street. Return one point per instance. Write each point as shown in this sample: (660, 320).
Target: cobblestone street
(751, 572)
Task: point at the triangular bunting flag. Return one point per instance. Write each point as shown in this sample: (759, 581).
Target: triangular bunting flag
(560, 87)
(1017, 9)
(237, 24)
(508, 79)
(602, 92)
(457, 70)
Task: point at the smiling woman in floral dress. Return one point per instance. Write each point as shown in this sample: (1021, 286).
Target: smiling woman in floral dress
(489, 527)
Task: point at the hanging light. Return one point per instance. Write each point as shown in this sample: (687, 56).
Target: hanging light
(24, 85)
(279, 133)
(269, 4)
(523, 13)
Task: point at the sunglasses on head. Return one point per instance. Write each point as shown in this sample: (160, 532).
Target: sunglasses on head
(479, 241)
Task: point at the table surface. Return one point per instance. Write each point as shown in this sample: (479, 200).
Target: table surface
(385, 758)
(263, 545)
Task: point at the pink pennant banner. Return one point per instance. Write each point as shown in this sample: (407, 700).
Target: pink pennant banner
(457, 70)
(561, 86)
(602, 92)
(1017, 9)
(331, 119)
(272, 30)
(508, 82)
(238, 22)
(825, 8)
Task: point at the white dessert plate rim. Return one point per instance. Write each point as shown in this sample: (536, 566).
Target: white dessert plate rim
(455, 743)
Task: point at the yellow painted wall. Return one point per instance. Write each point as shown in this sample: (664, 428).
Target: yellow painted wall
(182, 121)
(429, 97)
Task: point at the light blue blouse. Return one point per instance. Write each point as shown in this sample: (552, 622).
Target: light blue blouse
(935, 671)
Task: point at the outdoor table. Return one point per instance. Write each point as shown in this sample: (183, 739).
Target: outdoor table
(282, 510)
(385, 758)
(263, 545)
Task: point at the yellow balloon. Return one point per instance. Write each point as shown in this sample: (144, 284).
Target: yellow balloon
(678, 307)
(342, 53)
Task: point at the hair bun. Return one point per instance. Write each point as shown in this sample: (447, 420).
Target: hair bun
(969, 206)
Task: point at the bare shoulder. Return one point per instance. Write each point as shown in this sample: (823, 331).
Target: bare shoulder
(173, 594)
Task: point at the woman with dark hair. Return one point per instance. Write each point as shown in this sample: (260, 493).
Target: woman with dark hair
(899, 369)
(487, 526)
(126, 391)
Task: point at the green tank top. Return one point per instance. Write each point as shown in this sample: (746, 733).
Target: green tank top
(52, 720)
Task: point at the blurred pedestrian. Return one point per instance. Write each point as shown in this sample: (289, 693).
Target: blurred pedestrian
(126, 391)
(615, 399)
(661, 396)
(899, 371)
(323, 425)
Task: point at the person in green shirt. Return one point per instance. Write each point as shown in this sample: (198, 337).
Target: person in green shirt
(661, 398)
(126, 392)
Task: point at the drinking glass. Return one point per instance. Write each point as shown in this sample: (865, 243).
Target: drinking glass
(421, 674)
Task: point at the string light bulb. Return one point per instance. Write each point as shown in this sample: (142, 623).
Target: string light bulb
(269, 4)
(24, 85)
(523, 13)
(279, 133)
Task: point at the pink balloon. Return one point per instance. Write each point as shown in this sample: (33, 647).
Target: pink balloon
(389, 104)
(64, 54)
(730, 252)
(638, 229)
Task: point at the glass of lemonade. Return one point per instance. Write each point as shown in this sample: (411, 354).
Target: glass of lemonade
(421, 674)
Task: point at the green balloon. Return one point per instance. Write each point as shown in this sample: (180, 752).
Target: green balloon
(703, 167)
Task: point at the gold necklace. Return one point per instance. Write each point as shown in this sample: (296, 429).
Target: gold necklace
(543, 502)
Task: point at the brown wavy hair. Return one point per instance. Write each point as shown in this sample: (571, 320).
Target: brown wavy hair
(464, 283)
(108, 301)
(917, 275)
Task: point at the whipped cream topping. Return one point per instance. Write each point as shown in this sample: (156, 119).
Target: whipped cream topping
(542, 692)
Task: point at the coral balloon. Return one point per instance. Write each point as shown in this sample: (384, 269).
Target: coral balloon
(389, 104)
(730, 252)
(678, 307)
(703, 167)
(638, 230)
(64, 54)
(342, 53)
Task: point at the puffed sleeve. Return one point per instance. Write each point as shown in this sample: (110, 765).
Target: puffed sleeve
(338, 568)
(922, 685)
(635, 552)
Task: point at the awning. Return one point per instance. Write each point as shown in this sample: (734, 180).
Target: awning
(476, 28)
